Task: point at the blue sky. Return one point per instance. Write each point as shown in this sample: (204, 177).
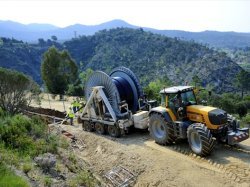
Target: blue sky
(195, 15)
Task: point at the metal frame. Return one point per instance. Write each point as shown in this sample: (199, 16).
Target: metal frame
(98, 93)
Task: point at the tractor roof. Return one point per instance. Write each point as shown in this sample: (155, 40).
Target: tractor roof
(176, 89)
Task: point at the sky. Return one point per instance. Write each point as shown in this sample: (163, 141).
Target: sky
(188, 15)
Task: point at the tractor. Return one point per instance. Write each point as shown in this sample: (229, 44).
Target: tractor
(180, 117)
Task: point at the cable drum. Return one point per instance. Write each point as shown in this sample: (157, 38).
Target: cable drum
(121, 85)
(100, 78)
(131, 82)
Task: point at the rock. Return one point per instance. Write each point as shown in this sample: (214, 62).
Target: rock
(46, 161)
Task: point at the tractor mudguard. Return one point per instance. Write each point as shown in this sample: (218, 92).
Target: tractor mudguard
(163, 111)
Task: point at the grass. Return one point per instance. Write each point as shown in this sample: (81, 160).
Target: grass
(9, 179)
(84, 178)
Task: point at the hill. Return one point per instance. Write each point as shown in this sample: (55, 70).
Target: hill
(32, 32)
(149, 55)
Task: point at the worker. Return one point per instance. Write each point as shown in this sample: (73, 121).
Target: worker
(70, 115)
(77, 104)
(73, 105)
(81, 104)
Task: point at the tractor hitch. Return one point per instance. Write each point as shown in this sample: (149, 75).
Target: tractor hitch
(239, 135)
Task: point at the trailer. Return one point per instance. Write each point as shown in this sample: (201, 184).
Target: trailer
(115, 103)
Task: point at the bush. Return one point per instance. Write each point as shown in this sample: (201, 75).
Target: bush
(84, 178)
(241, 109)
(47, 181)
(16, 90)
(27, 136)
(246, 119)
(26, 168)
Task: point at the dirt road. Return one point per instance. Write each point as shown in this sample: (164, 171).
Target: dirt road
(156, 165)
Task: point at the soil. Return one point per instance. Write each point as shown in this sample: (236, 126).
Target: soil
(156, 165)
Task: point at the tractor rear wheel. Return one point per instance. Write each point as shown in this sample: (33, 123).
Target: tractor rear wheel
(99, 128)
(160, 130)
(200, 139)
(87, 126)
(114, 131)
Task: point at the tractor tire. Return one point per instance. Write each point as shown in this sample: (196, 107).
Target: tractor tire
(160, 130)
(114, 131)
(100, 128)
(200, 139)
(87, 126)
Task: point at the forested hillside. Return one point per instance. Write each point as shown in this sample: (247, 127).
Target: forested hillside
(149, 55)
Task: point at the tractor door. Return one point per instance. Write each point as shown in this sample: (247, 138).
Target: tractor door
(175, 103)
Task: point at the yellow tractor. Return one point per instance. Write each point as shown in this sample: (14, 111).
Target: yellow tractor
(180, 117)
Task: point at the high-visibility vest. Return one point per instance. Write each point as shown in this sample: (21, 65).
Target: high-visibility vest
(71, 113)
(74, 104)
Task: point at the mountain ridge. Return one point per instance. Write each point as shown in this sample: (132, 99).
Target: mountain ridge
(32, 32)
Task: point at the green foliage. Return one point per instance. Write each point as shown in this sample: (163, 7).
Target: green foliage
(47, 181)
(153, 89)
(27, 136)
(58, 70)
(246, 119)
(9, 179)
(150, 56)
(54, 38)
(26, 168)
(241, 109)
(196, 81)
(243, 81)
(84, 178)
(16, 90)
(84, 76)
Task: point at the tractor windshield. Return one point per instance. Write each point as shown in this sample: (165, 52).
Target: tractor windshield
(188, 98)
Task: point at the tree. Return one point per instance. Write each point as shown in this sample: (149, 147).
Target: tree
(58, 70)
(196, 81)
(41, 42)
(84, 76)
(54, 38)
(153, 89)
(16, 90)
(243, 81)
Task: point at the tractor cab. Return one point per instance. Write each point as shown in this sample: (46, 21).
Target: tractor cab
(177, 99)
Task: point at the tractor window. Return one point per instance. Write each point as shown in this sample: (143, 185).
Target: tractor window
(172, 101)
(188, 98)
(163, 100)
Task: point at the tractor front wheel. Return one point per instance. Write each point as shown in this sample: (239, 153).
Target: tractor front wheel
(200, 139)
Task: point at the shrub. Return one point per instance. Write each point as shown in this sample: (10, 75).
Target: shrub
(84, 178)
(241, 109)
(47, 181)
(16, 90)
(26, 168)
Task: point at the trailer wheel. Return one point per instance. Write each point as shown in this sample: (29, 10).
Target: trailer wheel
(87, 126)
(200, 139)
(161, 131)
(114, 131)
(100, 128)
